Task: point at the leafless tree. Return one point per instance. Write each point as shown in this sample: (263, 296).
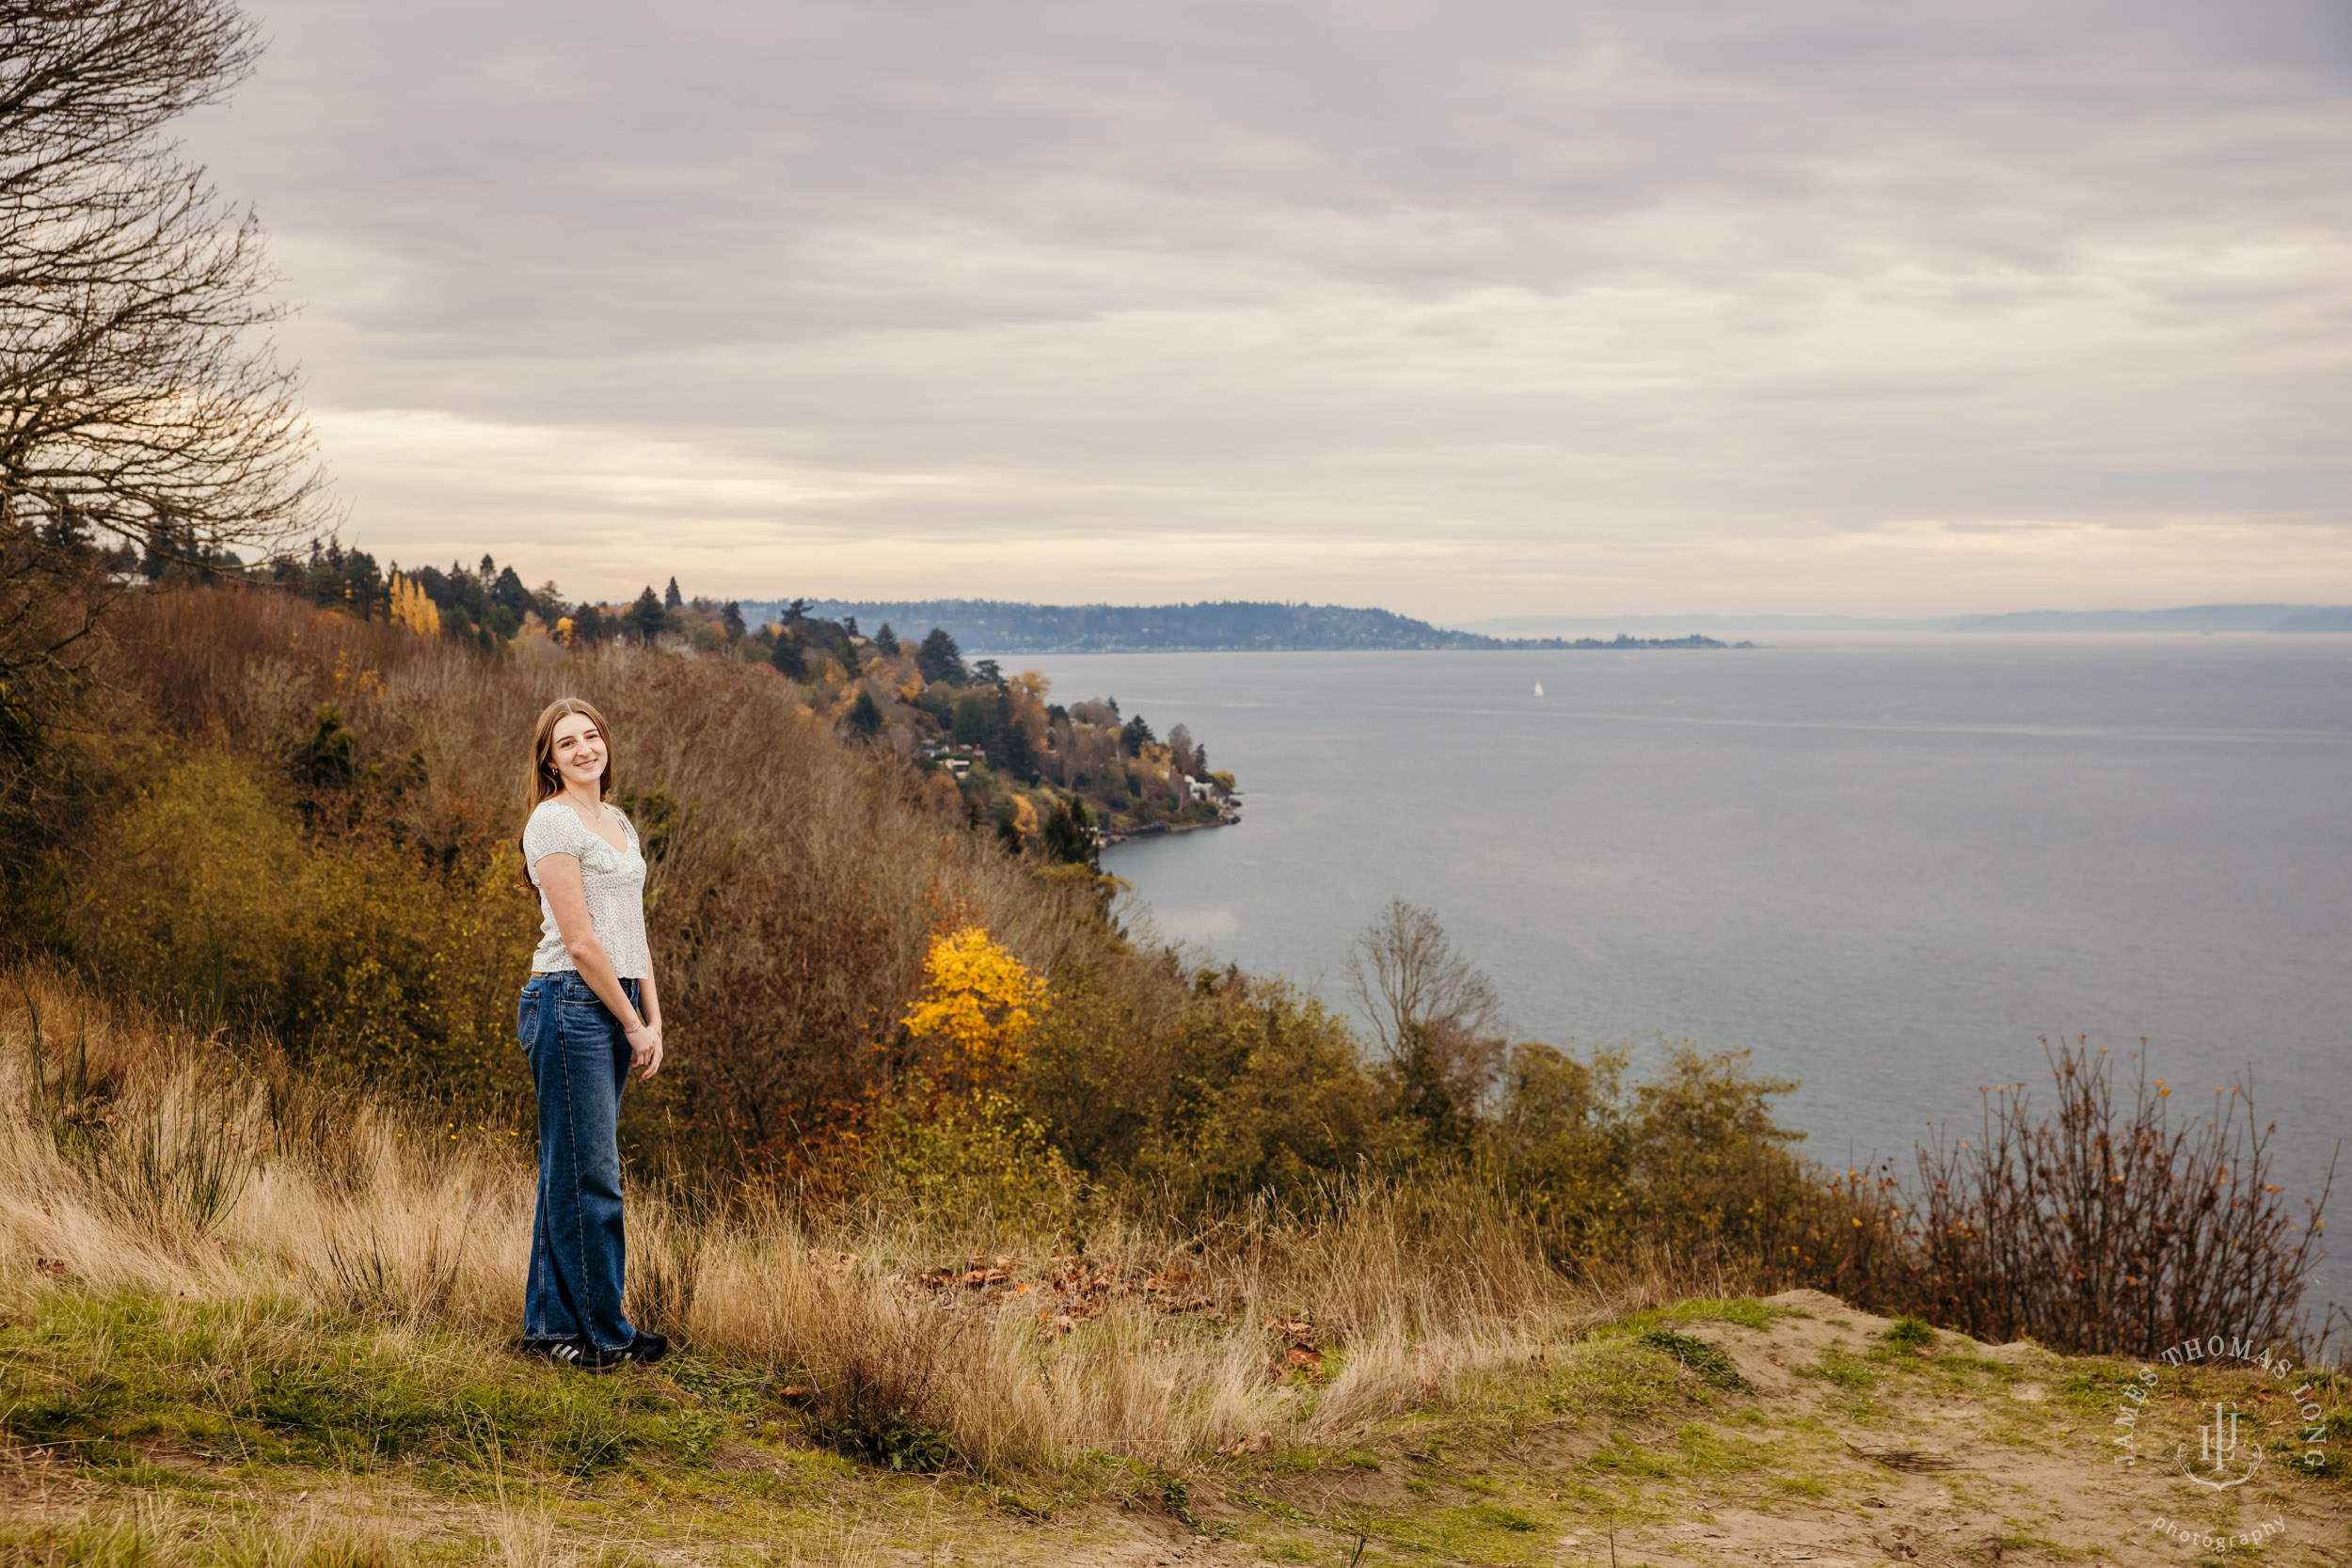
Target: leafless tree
(143, 411)
(1436, 1018)
(1179, 750)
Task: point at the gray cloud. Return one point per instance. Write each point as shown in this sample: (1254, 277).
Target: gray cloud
(1474, 308)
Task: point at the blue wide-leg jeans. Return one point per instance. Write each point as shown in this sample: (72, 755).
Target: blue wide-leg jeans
(580, 1061)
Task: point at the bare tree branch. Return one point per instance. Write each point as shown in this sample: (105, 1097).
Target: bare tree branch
(141, 402)
(1404, 973)
(1436, 1018)
(143, 413)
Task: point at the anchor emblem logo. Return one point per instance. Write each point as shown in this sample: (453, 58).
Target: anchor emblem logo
(2217, 1446)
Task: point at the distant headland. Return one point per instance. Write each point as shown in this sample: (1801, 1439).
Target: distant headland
(999, 626)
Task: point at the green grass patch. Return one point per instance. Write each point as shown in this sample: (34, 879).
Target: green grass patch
(1706, 1452)
(1613, 1376)
(1912, 1334)
(1503, 1516)
(97, 1375)
(1623, 1456)
(1709, 1361)
(1850, 1373)
(1747, 1311)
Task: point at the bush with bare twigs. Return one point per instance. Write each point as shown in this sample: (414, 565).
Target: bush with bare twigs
(2103, 1226)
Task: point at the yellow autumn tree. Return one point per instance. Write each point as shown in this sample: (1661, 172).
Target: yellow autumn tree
(955, 1142)
(978, 1006)
(412, 609)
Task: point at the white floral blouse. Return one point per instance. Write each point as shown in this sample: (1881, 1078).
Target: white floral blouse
(615, 880)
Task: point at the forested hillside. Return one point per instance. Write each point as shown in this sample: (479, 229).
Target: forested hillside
(1050, 778)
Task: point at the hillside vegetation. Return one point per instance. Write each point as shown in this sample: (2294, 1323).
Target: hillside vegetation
(248, 1318)
(298, 822)
(1048, 777)
(949, 1177)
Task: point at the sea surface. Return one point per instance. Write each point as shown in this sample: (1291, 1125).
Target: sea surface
(1888, 868)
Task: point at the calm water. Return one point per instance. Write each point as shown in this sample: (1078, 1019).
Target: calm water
(1884, 866)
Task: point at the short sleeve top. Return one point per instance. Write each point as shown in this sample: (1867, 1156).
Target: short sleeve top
(613, 880)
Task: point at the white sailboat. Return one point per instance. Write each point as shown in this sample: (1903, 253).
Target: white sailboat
(1539, 689)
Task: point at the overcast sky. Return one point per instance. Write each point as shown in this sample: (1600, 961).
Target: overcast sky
(1493, 307)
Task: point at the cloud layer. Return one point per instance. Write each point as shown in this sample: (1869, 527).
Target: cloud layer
(1477, 308)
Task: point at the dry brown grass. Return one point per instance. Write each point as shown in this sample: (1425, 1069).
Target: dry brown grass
(345, 1204)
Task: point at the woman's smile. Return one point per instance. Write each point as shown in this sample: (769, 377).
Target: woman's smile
(579, 749)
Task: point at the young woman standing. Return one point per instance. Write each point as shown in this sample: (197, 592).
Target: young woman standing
(588, 1017)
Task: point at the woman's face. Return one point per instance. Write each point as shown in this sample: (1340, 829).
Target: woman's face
(579, 749)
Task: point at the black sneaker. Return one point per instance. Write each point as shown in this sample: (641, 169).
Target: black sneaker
(646, 1349)
(543, 1348)
(583, 1355)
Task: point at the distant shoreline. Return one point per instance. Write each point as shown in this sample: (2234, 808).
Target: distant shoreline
(1165, 830)
(1530, 645)
(1021, 630)
(1658, 646)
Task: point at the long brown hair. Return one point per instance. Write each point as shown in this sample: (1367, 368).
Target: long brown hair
(546, 780)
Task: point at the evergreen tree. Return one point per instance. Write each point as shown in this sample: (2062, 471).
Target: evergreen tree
(887, 642)
(588, 628)
(442, 587)
(644, 620)
(977, 721)
(940, 660)
(508, 593)
(1009, 745)
(1070, 836)
(1136, 735)
(670, 598)
(788, 658)
(865, 719)
(731, 617)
